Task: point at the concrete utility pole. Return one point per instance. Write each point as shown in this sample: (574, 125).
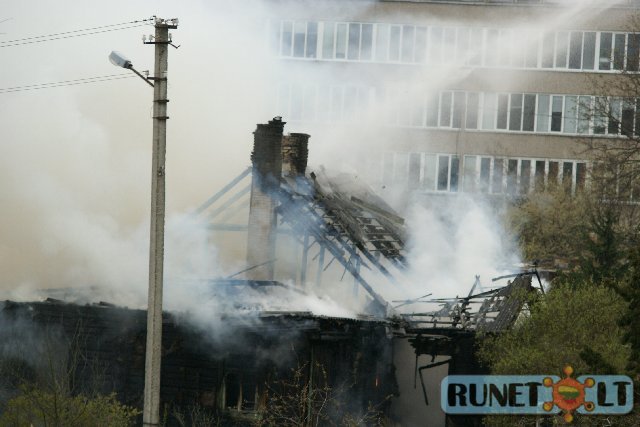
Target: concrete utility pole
(151, 410)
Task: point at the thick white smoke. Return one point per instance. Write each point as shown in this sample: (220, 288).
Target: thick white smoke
(75, 161)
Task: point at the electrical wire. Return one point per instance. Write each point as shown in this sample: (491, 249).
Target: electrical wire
(75, 33)
(74, 82)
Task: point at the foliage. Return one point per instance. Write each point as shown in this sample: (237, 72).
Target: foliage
(576, 323)
(549, 225)
(38, 408)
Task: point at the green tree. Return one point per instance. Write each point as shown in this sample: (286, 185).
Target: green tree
(576, 323)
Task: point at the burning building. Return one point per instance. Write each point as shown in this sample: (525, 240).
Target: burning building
(273, 348)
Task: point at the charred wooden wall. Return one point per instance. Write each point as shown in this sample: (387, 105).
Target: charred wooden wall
(225, 375)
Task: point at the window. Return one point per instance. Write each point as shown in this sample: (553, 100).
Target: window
(584, 113)
(562, 44)
(512, 176)
(633, 49)
(354, 42)
(529, 112)
(459, 99)
(556, 114)
(382, 42)
(429, 172)
(503, 110)
(600, 116)
(589, 54)
(449, 44)
(575, 50)
(548, 43)
(627, 116)
(605, 51)
(615, 106)
(504, 51)
(287, 44)
(618, 51)
(493, 47)
(443, 173)
(312, 39)
(455, 170)
(519, 48)
(432, 111)
(435, 45)
(299, 36)
(414, 170)
(553, 176)
(328, 40)
(366, 42)
(496, 185)
(341, 41)
(515, 114)
(489, 111)
(474, 55)
(532, 42)
(542, 124)
(469, 179)
(567, 175)
(485, 171)
(581, 173)
(408, 34)
(394, 42)
(445, 109)
(637, 127)
(421, 44)
(570, 114)
(462, 47)
(473, 101)
(539, 175)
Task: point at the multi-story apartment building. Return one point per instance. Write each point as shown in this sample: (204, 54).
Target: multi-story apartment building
(494, 96)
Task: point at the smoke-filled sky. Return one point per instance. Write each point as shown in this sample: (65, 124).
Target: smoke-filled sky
(75, 160)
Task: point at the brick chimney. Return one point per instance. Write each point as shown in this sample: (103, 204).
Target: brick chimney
(295, 151)
(267, 171)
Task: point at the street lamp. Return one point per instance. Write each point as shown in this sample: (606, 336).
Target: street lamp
(119, 60)
(151, 409)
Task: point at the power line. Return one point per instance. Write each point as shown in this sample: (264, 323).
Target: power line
(62, 83)
(75, 33)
